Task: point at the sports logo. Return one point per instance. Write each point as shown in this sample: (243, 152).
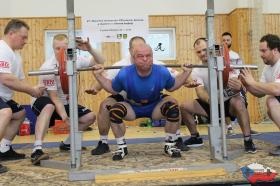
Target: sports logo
(4, 64)
(48, 82)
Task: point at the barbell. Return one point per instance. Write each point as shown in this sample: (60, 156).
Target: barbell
(61, 70)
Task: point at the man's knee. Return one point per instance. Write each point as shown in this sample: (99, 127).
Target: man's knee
(89, 118)
(171, 111)
(117, 112)
(271, 102)
(106, 104)
(6, 112)
(19, 115)
(238, 104)
(49, 108)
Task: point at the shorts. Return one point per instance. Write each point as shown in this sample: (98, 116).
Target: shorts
(117, 97)
(11, 104)
(278, 98)
(206, 108)
(41, 102)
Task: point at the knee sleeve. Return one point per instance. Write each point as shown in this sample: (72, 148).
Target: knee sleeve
(171, 111)
(117, 113)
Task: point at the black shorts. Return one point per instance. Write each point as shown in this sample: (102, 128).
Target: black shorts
(10, 104)
(117, 97)
(41, 102)
(206, 107)
(278, 98)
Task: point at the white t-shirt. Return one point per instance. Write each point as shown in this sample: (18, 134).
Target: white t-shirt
(11, 63)
(52, 82)
(201, 76)
(235, 60)
(271, 73)
(111, 74)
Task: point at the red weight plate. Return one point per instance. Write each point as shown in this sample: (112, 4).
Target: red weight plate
(227, 68)
(62, 71)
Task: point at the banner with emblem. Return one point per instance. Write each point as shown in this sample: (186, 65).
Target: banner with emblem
(114, 29)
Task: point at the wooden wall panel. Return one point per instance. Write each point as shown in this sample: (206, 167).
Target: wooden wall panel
(272, 23)
(240, 27)
(188, 28)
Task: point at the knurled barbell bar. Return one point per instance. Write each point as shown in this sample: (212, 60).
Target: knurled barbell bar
(61, 70)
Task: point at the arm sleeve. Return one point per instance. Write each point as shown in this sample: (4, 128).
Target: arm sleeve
(5, 64)
(263, 79)
(83, 62)
(111, 74)
(169, 80)
(21, 73)
(118, 81)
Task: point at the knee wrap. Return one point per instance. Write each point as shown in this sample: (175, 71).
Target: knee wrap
(171, 111)
(117, 113)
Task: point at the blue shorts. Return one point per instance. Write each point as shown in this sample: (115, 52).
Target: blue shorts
(144, 111)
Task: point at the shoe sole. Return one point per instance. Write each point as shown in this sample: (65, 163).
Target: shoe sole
(273, 154)
(117, 159)
(12, 159)
(195, 145)
(68, 150)
(251, 152)
(256, 134)
(184, 149)
(43, 157)
(170, 156)
(3, 169)
(96, 154)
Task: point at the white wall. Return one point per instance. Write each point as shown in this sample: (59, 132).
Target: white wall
(271, 6)
(50, 8)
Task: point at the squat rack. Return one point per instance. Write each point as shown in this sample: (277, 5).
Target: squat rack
(216, 133)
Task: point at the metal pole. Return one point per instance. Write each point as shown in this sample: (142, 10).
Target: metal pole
(220, 68)
(214, 131)
(72, 74)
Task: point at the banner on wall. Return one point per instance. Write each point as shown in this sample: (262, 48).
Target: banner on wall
(114, 29)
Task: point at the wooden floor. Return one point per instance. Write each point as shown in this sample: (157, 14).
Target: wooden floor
(133, 131)
(145, 157)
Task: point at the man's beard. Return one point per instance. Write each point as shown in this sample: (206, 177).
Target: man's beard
(229, 45)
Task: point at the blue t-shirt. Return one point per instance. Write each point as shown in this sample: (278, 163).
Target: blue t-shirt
(143, 90)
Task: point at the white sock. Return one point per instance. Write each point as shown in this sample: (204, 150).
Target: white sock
(170, 137)
(178, 134)
(229, 126)
(104, 139)
(121, 141)
(67, 141)
(5, 145)
(167, 136)
(37, 145)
